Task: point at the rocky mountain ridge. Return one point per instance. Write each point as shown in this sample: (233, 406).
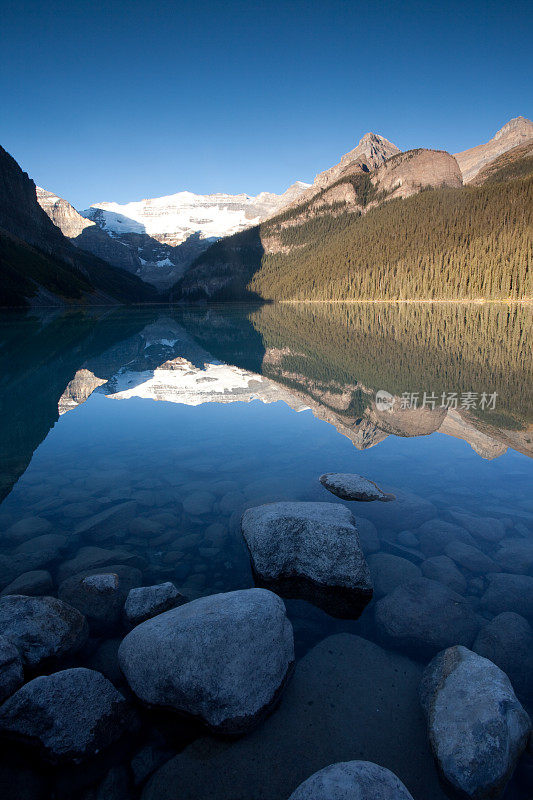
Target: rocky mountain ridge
(515, 132)
(153, 261)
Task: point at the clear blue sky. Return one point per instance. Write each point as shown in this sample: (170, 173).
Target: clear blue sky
(124, 100)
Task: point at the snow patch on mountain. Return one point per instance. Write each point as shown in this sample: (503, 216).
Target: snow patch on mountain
(174, 218)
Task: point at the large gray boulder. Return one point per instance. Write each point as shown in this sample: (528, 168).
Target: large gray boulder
(507, 641)
(309, 551)
(43, 629)
(145, 602)
(68, 716)
(349, 486)
(477, 728)
(11, 669)
(424, 616)
(360, 780)
(224, 659)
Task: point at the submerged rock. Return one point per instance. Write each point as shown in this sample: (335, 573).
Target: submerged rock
(389, 571)
(68, 716)
(443, 570)
(424, 616)
(360, 780)
(515, 555)
(507, 641)
(477, 728)
(94, 558)
(42, 628)
(487, 528)
(34, 583)
(435, 534)
(408, 511)
(100, 598)
(507, 592)
(349, 486)
(11, 670)
(471, 558)
(224, 658)
(309, 551)
(146, 602)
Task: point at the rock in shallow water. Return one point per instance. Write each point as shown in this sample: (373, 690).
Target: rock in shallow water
(360, 780)
(477, 727)
(389, 571)
(348, 699)
(224, 658)
(443, 570)
(507, 641)
(508, 593)
(349, 486)
(100, 598)
(42, 628)
(70, 715)
(309, 551)
(11, 670)
(424, 616)
(35, 583)
(146, 602)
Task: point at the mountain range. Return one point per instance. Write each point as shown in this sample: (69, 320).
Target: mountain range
(225, 246)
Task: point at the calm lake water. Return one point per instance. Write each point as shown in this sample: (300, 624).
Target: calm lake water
(148, 432)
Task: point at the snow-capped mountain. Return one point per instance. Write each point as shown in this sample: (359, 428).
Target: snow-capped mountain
(175, 218)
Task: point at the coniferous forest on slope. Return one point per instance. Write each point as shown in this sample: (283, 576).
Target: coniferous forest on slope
(466, 243)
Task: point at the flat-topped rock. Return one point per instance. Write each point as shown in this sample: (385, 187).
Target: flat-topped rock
(349, 486)
(67, 716)
(477, 728)
(43, 629)
(360, 780)
(145, 602)
(424, 616)
(223, 659)
(309, 551)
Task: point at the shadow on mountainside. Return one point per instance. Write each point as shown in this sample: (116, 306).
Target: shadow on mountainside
(224, 271)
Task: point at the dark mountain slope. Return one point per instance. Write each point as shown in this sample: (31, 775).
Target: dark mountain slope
(38, 264)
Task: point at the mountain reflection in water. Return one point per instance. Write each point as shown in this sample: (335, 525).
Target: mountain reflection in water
(332, 358)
